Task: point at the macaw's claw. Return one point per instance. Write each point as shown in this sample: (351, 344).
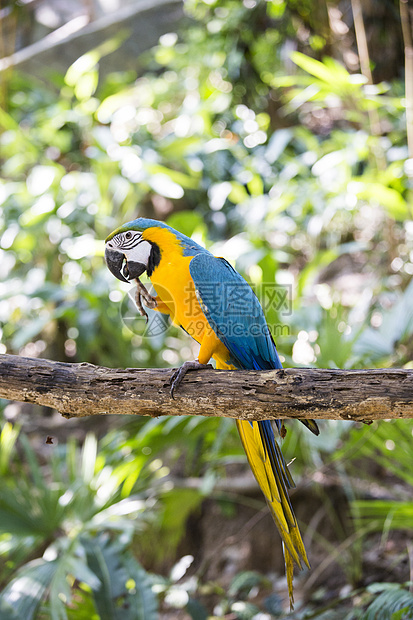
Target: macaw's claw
(142, 293)
(177, 376)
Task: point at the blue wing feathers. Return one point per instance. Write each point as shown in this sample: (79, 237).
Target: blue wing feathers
(234, 313)
(242, 328)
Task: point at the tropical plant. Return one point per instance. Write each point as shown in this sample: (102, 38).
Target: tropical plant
(66, 533)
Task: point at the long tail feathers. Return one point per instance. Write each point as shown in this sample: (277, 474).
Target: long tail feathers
(271, 471)
(289, 571)
(311, 425)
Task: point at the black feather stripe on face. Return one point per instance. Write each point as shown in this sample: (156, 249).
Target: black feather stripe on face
(154, 258)
(127, 243)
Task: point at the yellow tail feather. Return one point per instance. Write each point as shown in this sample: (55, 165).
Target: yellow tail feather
(271, 473)
(289, 571)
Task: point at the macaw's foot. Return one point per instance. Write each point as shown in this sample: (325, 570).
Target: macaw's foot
(142, 293)
(176, 379)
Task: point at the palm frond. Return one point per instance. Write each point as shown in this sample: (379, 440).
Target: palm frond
(23, 595)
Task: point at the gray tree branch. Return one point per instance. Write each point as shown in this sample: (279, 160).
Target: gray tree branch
(83, 389)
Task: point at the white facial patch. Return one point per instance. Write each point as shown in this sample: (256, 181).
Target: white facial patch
(140, 253)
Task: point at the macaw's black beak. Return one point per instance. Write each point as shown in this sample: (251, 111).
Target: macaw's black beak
(133, 270)
(121, 268)
(114, 261)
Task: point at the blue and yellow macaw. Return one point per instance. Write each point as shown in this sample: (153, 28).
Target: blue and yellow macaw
(211, 301)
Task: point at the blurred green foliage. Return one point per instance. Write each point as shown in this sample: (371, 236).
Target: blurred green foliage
(274, 161)
(72, 518)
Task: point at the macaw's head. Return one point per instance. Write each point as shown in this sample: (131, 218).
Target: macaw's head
(129, 251)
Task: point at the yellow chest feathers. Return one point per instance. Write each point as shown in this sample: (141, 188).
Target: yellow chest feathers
(175, 288)
(173, 282)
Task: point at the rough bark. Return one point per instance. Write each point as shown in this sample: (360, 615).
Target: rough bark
(83, 389)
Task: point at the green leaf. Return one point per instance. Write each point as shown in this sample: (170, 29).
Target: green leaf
(87, 62)
(196, 610)
(180, 178)
(22, 596)
(141, 601)
(386, 515)
(379, 194)
(325, 71)
(256, 186)
(8, 437)
(238, 193)
(81, 67)
(177, 504)
(397, 325)
(244, 610)
(104, 562)
(125, 589)
(89, 453)
(188, 223)
(86, 85)
(393, 600)
(244, 581)
(8, 123)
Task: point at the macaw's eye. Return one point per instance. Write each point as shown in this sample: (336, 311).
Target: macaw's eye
(128, 235)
